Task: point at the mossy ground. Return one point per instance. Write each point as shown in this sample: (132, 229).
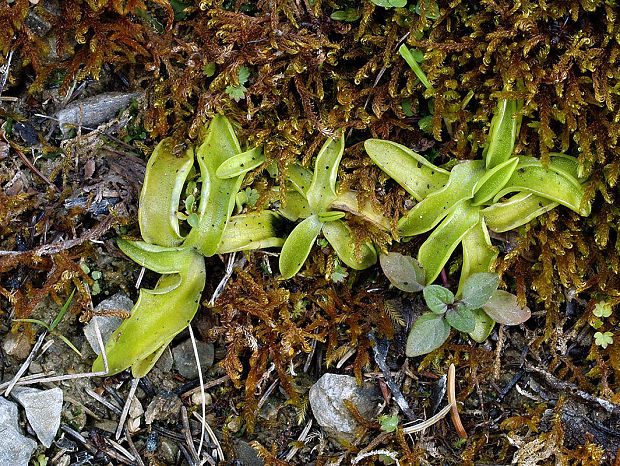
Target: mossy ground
(311, 76)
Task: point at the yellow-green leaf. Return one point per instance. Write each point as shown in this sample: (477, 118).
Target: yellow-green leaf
(413, 64)
(161, 191)
(240, 163)
(339, 236)
(493, 180)
(347, 201)
(330, 216)
(256, 230)
(430, 211)
(217, 198)
(478, 253)
(299, 177)
(516, 211)
(298, 245)
(484, 326)
(438, 247)
(159, 259)
(503, 133)
(322, 190)
(156, 318)
(295, 206)
(553, 183)
(413, 172)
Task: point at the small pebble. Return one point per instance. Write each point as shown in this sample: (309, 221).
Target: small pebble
(89, 169)
(17, 345)
(234, 424)
(197, 399)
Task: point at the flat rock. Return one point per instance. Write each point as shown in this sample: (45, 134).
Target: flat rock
(106, 324)
(327, 397)
(15, 448)
(93, 111)
(9, 417)
(185, 361)
(43, 408)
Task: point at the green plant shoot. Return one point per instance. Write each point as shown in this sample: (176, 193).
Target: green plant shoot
(163, 312)
(461, 204)
(313, 200)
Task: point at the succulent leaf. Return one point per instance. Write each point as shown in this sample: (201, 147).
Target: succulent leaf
(478, 253)
(217, 198)
(429, 212)
(295, 206)
(330, 216)
(255, 230)
(484, 326)
(157, 258)
(348, 202)
(241, 163)
(554, 184)
(161, 192)
(493, 180)
(413, 172)
(157, 316)
(438, 247)
(339, 236)
(516, 211)
(298, 245)
(503, 133)
(300, 178)
(322, 190)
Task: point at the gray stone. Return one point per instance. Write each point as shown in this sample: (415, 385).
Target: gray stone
(93, 111)
(168, 451)
(106, 324)
(165, 361)
(164, 407)
(15, 448)
(185, 361)
(43, 408)
(16, 345)
(9, 417)
(135, 408)
(245, 454)
(197, 399)
(117, 302)
(327, 397)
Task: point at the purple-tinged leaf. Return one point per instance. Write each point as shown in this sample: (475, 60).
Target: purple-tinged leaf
(404, 272)
(503, 307)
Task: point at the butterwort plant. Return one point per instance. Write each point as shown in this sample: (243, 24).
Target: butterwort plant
(477, 309)
(161, 313)
(459, 205)
(311, 198)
